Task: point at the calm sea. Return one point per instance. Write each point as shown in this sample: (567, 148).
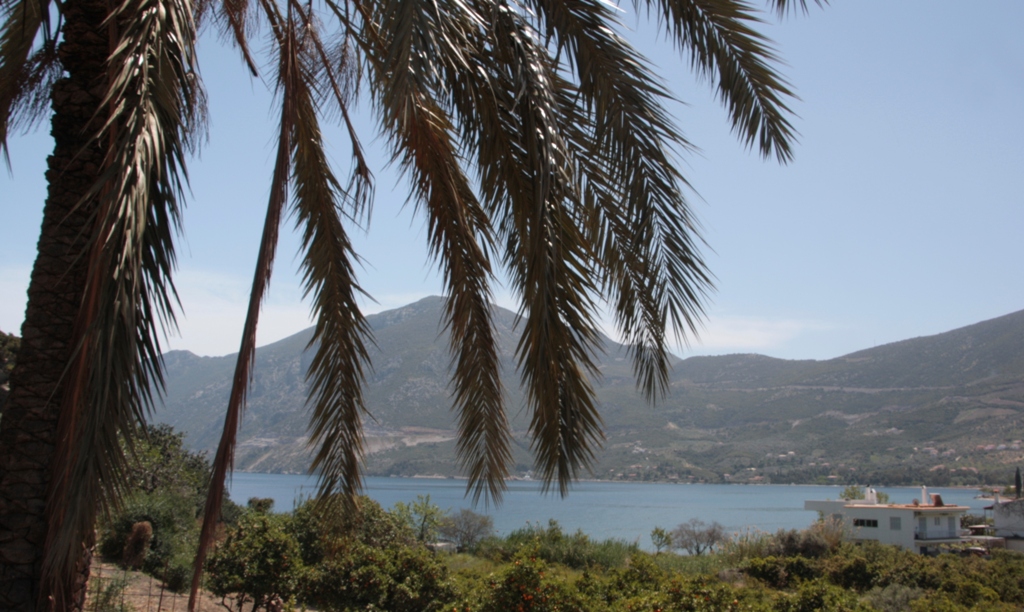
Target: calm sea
(628, 511)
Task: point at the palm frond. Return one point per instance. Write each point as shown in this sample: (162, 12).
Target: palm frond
(237, 25)
(151, 110)
(339, 72)
(528, 181)
(784, 7)
(639, 221)
(422, 52)
(27, 74)
(724, 47)
(224, 458)
(341, 334)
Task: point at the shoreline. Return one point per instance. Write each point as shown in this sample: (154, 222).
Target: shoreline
(436, 477)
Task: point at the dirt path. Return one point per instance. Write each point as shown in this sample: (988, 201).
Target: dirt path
(141, 593)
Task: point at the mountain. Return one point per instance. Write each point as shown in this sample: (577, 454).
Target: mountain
(943, 409)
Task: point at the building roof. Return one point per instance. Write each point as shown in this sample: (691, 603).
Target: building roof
(915, 507)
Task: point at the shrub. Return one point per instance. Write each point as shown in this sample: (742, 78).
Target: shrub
(697, 537)
(525, 587)
(466, 528)
(259, 561)
(749, 544)
(810, 543)
(701, 594)
(320, 526)
(661, 539)
(1006, 575)
(173, 525)
(893, 598)
(817, 595)
(422, 517)
(576, 551)
(641, 575)
(851, 571)
(780, 572)
(396, 579)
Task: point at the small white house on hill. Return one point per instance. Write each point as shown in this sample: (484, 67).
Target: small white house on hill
(915, 526)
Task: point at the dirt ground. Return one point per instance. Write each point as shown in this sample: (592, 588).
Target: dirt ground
(142, 593)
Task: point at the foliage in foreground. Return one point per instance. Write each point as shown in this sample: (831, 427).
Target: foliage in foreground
(168, 488)
(374, 560)
(576, 550)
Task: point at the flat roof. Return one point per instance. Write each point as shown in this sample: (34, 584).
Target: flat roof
(843, 503)
(910, 506)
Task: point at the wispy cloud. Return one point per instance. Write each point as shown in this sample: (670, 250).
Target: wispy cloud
(722, 334)
(749, 334)
(214, 312)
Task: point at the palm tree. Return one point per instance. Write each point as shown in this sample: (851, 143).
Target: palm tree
(534, 140)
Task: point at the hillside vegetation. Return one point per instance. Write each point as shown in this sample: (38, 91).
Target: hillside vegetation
(945, 409)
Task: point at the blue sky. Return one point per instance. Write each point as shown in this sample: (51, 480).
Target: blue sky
(902, 214)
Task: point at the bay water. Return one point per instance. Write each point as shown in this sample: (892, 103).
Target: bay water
(623, 510)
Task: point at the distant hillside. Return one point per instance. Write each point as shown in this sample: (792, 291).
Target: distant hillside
(941, 409)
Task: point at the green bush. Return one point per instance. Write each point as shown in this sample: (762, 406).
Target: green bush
(177, 574)
(319, 526)
(395, 579)
(701, 594)
(817, 595)
(1005, 573)
(259, 561)
(173, 519)
(576, 550)
(526, 586)
(893, 598)
(809, 543)
(641, 575)
(780, 572)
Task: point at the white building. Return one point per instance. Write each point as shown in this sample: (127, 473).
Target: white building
(914, 526)
(1008, 522)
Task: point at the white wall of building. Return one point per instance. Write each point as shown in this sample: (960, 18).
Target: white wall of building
(1008, 518)
(908, 526)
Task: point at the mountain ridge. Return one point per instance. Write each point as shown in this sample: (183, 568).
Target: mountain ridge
(728, 418)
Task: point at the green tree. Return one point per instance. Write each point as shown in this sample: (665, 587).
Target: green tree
(422, 517)
(396, 578)
(697, 537)
(534, 138)
(162, 463)
(465, 528)
(661, 539)
(259, 562)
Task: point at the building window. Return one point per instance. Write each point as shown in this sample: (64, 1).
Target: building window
(938, 520)
(894, 523)
(865, 522)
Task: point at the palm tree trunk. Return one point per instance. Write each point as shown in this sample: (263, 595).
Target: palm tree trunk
(29, 425)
